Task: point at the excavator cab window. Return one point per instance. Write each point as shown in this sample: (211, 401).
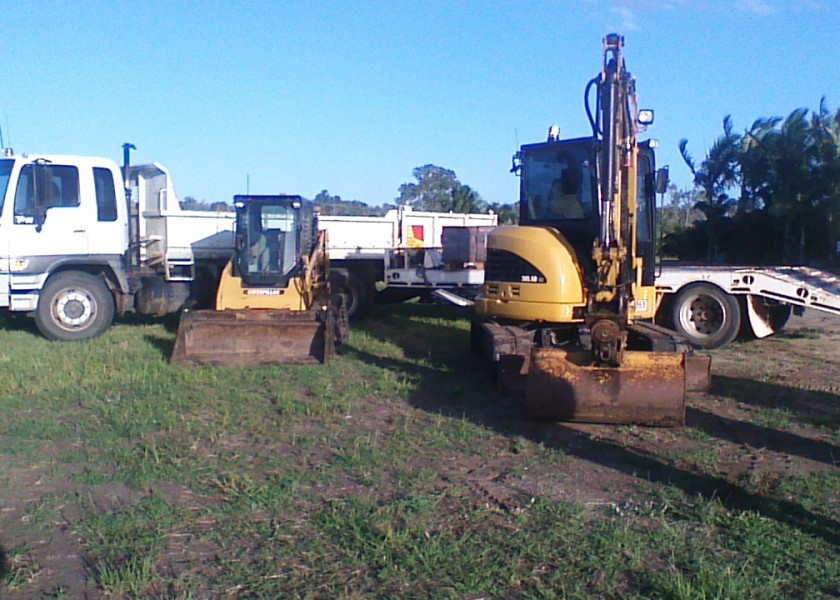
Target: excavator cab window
(557, 181)
(645, 217)
(558, 189)
(268, 239)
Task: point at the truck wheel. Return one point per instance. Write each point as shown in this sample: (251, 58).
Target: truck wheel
(74, 306)
(348, 285)
(706, 315)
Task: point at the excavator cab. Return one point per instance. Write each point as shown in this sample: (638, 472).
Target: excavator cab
(559, 189)
(273, 303)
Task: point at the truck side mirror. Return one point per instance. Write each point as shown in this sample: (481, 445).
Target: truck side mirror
(42, 193)
(662, 180)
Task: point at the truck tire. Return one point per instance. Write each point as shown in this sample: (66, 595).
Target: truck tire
(707, 316)
(352, 289)
(74, 306)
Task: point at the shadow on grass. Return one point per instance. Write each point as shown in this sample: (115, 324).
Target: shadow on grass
(4, 564)
(447, 361)
(163, 345)
(806, 406)
(18, 322)
(169, 322)
(743, 432)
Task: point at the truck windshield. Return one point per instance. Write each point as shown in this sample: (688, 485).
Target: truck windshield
(5, 173)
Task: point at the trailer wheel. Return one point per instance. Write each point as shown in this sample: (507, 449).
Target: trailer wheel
(706, 315)
(779, 316)
(351, 288)
(74, 306)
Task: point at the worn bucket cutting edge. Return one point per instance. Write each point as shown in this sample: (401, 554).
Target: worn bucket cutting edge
(648, 389)
(253, 337)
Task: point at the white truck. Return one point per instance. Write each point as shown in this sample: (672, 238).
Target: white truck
(82, 240)
(400, 253)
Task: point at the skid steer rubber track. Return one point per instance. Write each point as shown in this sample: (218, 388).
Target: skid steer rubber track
(647, 389)
(254, 337)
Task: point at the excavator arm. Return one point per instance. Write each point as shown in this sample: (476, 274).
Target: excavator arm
(615, 130)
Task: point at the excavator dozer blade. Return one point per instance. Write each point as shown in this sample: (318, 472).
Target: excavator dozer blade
(254, 337)
(647, 389)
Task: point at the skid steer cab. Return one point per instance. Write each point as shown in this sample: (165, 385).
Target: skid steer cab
(273, 303)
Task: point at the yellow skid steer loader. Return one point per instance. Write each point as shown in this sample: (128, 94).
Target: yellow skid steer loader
(273, 304)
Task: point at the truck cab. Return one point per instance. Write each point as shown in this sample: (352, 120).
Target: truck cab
(83, 240)
(54, 211)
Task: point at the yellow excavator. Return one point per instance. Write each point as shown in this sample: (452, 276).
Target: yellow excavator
(568, 298)
(273, 303)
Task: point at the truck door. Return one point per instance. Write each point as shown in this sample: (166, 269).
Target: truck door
(48, 218)
(107, 233)
(6, 167)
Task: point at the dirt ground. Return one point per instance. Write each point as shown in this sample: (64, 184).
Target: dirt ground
(773, 411)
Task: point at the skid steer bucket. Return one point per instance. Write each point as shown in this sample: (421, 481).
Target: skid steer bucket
(254, 337)
(647, 389)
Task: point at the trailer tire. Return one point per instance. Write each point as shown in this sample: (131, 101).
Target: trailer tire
(74, 306)
(352, 289)
(707, 316)
(779, 316)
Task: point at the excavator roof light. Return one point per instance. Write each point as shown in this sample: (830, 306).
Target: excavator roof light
(646, 116)
(653, 143)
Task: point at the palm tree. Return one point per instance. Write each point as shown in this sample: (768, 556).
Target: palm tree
(718, 172)
(792, 182)
(755, 158)
(825, 131)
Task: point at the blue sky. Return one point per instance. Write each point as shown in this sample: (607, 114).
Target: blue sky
(351, 96)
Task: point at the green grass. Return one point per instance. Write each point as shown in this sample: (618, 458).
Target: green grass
(395, 471)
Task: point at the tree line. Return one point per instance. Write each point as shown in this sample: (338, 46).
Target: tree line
(769, 194)
(435, 189)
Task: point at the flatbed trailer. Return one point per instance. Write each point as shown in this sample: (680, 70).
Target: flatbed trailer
(707, 304)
